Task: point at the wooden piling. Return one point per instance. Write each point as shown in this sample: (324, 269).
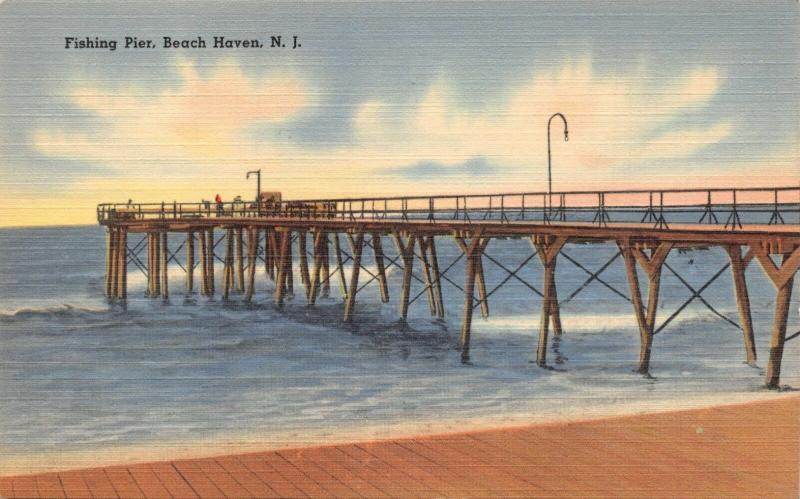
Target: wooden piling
(782, 278)
(645, 318)
(357, 245)
(210, 261)
(157, 267)
(283, 256)
(738, 267)
(240, 259)
(326, 267)
(190, 263)
(252, 260)
(315, 278)
(271, 252)
(437, 278)
(111, 273)
(377, 248)
(471, 250)
(406, 251)
(228, 273)
(164, 266)
(548, 248)
(481, 283)
(339, 266)
(122, 264)
(289, 276)
(203, 263)
(302, 249)
(109, 263)
(426, 274)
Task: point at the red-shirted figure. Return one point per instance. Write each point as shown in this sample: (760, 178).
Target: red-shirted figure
(218, 200)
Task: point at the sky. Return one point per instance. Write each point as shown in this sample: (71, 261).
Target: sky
(391, 98)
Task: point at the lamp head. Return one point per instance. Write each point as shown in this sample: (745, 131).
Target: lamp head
(566, 135)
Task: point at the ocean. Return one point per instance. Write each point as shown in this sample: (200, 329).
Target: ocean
(83, 380)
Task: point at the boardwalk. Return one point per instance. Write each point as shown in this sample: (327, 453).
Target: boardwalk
(747, 450)
(759, 224)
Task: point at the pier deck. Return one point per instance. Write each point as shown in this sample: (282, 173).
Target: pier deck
(761, 224)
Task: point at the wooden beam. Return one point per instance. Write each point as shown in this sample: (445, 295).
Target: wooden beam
(783, 280)
(203, 263)
(315, 279)
(738, 267)
(326, 266)
(548, 248)
(645, 319)
(122, 261)
(358, 245)
(109, 263)
(339, 267)
(301, 249)
(164, 266)
(470, 250)
(481, 281)
(437, 277)
(280, 286)
(111, 287)
(210, 261)
(426, 273)
(157, 268)
(227, 274)
(252, 261)
(190, 263)
(380, 265)
(406, 250)
(240, 259)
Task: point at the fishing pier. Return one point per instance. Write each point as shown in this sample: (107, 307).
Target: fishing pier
(752, 225)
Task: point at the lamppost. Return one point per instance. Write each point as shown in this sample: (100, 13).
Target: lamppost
(549, 167)
(258, 187)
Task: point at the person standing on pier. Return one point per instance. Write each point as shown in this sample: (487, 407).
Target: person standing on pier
(218, 200)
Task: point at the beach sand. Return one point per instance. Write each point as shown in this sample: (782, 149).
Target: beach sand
(741, 450)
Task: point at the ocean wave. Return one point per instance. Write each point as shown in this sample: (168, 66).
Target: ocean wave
(58, 312)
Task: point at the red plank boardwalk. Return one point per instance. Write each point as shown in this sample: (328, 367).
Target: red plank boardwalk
(744, 450)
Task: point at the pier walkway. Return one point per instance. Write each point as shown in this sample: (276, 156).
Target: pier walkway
(761, 224)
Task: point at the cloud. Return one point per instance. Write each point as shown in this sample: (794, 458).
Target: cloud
(197, 135)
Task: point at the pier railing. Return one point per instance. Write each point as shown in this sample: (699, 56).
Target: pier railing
(730, 208)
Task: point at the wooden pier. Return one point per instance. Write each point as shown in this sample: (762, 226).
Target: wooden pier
(750, 224)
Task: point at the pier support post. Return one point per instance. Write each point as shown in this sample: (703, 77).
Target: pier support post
(210, 262)
(315, 278)
(122, 265)
(227, 273)
(252, 252)
(284, 256)
(164, 266)
(271, 251)
(190, 263)
(426, 273)
(302, 248)
(203, 263)
(472, 251)
(782, 278)
(111, 264)
(377, 248)
(480, 280)
(645, 318)
(150, 269)
(548, 248)
(240, 259)
(157, 267)
(339, 266)
(437, 277)
(357, 245)
(289, 279)
(738, 267)
(326, 267)
(406, 251)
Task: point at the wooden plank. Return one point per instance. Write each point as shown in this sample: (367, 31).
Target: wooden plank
(738, 267)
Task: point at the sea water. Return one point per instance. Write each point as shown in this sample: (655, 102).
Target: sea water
(80, 377)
